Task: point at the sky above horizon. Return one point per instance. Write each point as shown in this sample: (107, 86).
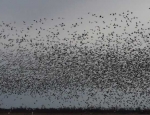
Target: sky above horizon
(69, 11)
(28, 10)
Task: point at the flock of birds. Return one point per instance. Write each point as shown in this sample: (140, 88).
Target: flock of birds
(39, 59)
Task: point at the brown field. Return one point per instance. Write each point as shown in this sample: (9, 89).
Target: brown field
(69, 114)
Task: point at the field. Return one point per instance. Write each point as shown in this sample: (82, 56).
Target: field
(68, 114)
(72, 112)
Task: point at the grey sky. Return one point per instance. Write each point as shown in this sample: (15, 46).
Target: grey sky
(28, 10)
(34, 9)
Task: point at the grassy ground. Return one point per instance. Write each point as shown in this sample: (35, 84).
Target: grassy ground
(69, 114)
(73, 112)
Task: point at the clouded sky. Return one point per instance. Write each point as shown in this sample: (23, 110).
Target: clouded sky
(28, 10)
(70, 10)
(33, 9)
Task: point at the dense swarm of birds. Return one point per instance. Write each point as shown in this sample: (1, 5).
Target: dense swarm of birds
(90, 60)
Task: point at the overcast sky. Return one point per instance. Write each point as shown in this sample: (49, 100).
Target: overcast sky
(70, 10)
(34, 9)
